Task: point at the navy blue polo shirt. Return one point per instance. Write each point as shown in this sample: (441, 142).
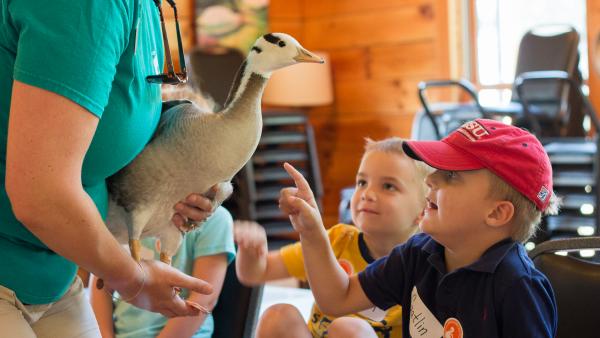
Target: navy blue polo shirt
(499, 295)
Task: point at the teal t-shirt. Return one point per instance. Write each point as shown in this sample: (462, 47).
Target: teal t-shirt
(96, 53)
(214, 237)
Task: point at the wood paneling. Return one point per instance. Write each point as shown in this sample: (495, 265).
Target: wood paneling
(376, 97)
(350, 64)
(287, 17)
(385, 62)
(416, 59)
(319, 8)
(370, 28)
(185, 10)
(291, 27)
(286, 9)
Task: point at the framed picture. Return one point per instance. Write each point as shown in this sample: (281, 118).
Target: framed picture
(230, 24)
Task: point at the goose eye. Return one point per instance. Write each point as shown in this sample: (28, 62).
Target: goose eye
(281, 43)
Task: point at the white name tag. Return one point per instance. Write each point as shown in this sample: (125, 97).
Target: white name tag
(422, 322)
(375, 314)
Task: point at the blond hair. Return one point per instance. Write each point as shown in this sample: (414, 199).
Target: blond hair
(527, 217)
(394, 145)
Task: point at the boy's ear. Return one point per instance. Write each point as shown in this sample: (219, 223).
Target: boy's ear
(501, 214)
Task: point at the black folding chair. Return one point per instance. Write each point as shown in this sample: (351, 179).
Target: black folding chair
(576, 284)
(554, 104)
(236, 313)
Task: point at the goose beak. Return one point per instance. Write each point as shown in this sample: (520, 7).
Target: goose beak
(306, 56)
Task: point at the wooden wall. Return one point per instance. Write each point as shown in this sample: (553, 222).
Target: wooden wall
(379, 51)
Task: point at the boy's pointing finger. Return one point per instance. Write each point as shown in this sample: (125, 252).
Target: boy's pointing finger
(299, 180)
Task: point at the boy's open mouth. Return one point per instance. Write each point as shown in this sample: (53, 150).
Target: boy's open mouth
(431, 205)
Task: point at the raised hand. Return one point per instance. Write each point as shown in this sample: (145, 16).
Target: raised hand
(299, 203)
(251, 238)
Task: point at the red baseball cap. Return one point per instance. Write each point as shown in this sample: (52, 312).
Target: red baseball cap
(513, 154)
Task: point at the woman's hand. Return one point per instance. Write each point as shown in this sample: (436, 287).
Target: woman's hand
(158, 290)
(191, 211)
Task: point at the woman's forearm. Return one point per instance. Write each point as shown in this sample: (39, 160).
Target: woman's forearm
(70, 225)
(43, 183)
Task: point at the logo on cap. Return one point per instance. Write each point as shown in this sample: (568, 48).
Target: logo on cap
(473, 130)
(543, 194)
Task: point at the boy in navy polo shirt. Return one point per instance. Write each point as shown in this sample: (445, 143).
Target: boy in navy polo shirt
(466, 275)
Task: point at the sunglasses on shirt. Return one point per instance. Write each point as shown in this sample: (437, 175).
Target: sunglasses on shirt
(170, 77)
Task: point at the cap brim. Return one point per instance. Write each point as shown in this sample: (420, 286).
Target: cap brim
(441, 155)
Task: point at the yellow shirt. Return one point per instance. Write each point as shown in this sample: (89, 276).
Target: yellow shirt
(352, 254)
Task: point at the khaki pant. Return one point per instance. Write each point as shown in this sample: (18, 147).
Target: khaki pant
(70, 316)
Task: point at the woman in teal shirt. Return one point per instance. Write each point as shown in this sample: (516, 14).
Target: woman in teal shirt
(75, 107)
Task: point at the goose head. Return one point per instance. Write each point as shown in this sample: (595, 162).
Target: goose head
(277, 50)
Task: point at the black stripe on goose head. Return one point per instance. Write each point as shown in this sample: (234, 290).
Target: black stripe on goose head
(274, 40)
(256, 49)
(271, 38)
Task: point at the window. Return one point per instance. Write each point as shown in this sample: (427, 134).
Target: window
(500, 24)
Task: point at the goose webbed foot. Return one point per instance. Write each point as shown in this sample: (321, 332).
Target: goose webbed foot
(135, 246)
(165, 258)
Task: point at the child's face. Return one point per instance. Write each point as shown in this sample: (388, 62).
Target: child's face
(458, 202)
(388, 198)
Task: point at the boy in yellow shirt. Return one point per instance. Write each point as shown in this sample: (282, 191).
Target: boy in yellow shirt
(386, 208)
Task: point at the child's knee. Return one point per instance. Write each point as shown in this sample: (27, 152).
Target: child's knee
(280, 319)
(281, 312)
(349, 327)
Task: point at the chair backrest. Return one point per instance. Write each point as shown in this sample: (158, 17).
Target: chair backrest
(344, 213)
(576, 284)
(236, 312)
(452, 117)
(545, 48)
